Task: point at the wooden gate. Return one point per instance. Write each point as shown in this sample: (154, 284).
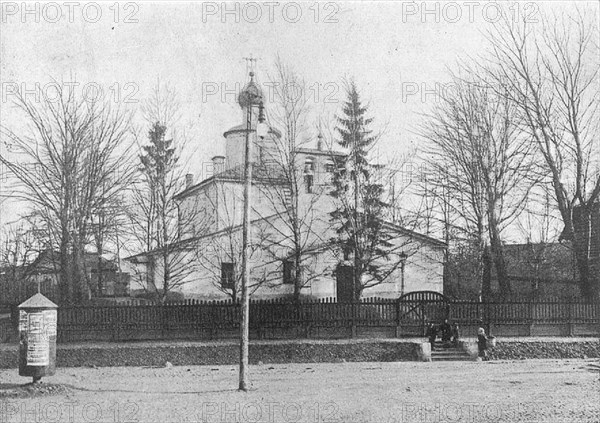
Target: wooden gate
(420, 308)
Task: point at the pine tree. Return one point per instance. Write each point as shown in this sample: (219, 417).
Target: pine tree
(358, 216)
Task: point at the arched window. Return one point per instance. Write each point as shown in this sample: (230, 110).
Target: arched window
(309, 170)
(308, 183)
(309, 166)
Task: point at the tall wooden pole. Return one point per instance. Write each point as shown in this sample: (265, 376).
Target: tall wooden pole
(245, 326)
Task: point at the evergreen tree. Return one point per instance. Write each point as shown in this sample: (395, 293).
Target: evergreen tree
(157, 214)
(158, 165)
(361, 230)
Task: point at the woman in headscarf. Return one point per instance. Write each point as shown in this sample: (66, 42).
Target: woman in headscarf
(482, 343)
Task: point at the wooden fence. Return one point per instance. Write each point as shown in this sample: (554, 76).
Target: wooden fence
(547, 318)
(323, 319)
(212, 320)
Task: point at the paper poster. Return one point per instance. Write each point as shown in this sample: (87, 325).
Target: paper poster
(50, 322)
(38, 346)
(22, 320)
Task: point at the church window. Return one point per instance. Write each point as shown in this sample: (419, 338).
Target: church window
(309, 166)
(308, 183)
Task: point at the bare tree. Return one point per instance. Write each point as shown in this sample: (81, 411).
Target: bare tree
(480, 165)
(73, 161)
(293, 236)
(220, 259)
(540, 228)
(18, 248)
(162, 225)
(550, 73)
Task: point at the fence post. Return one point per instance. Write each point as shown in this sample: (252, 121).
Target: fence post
(530, 318)
(352, 320)
(303, 321)
(115, 324)
(570, 323)
(163, 319)
(398, 328)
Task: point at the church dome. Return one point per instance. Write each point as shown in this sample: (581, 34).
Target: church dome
(251, 94)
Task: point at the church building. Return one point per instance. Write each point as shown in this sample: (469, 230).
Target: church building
(290, 206)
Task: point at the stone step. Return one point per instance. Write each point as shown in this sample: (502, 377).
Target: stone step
(448, 352)
(451, 358)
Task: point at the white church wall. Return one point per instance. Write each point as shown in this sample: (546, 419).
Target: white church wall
(423, 271)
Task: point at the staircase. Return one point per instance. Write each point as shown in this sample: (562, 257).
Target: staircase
(448, 352)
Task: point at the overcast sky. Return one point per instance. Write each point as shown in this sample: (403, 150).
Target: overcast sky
(390, 48)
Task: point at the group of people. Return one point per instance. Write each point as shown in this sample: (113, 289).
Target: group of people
(449, 333)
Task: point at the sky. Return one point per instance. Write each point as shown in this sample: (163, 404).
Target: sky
(398, 53)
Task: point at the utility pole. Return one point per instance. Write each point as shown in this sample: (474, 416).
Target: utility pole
(245, 327)
(253, 99)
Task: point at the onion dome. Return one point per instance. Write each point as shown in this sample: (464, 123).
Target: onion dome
(251, 94)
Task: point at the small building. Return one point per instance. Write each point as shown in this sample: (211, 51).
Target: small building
(18, 284)
(542, 270)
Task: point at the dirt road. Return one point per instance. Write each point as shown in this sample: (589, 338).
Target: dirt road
(517, 391)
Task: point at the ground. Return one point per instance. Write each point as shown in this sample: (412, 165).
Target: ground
(496, 391)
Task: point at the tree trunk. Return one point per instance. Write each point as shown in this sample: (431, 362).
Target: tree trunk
(99, 270)
(65, 279)
(78, 276)
(486, 276)
(298, 276)
(358, 292)
(166, 275)
(581, 234)
(497, 256)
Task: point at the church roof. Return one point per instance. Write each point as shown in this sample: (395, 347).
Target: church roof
(242, 128)
(264, 173)
(261, 173)
(317, 152)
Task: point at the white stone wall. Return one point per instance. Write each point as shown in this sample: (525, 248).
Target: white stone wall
(262, 149)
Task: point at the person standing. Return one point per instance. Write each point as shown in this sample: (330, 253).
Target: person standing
(482, 343)
(446, 331)
(432, 334)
